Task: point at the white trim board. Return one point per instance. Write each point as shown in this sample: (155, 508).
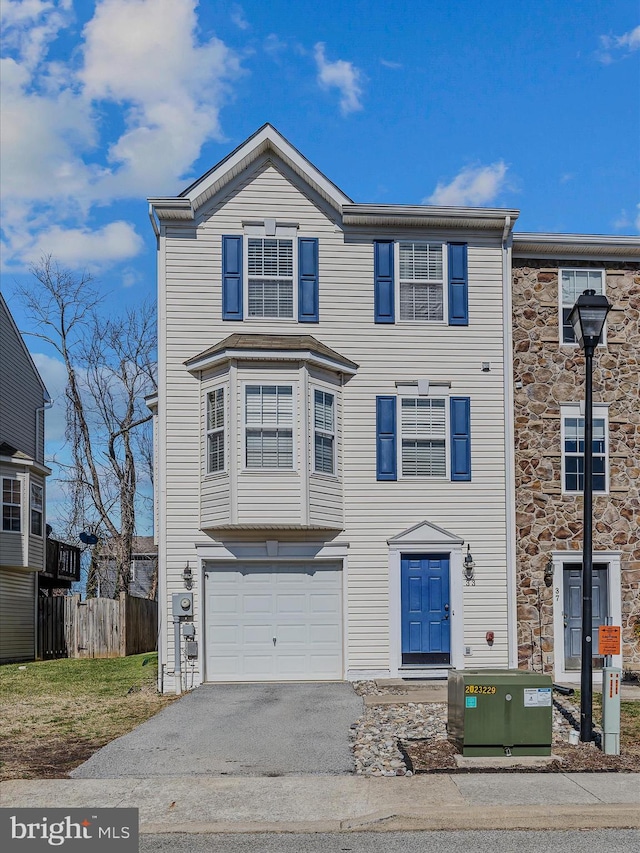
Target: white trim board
(559, 558)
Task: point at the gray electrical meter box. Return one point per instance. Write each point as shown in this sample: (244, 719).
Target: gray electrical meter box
(500, 712)
(182, 604)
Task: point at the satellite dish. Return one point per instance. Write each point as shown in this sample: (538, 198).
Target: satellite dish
(88, 538)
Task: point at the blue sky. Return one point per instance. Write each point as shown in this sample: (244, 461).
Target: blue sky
(532, 105)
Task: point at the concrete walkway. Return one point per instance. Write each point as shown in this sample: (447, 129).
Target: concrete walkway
(347, 803)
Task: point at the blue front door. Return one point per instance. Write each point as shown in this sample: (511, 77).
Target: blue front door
(425, 610)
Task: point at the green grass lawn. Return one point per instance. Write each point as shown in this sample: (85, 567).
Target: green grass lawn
(55, 714)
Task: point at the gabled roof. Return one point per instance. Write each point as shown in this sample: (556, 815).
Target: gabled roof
(266, 140)
(425, 533)
(275, 348)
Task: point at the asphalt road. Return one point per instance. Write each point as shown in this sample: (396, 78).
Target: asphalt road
(238, 730)
(593, 841)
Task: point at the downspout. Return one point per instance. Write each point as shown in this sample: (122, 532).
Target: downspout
(154, 224)
(509, 444)
(48, 405)
(160, 448)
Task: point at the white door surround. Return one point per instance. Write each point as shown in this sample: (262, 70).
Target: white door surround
(612, 560)
(425, 538)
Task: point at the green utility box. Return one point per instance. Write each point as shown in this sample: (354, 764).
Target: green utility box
(500, 712)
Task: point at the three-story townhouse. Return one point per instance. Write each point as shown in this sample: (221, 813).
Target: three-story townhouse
(333, 428)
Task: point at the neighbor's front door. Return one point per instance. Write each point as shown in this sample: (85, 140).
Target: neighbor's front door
(425, 610)
(573, 612)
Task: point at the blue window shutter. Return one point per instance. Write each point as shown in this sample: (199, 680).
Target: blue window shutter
(308, 296)
(458, 285)
(460, 426)
(232, 278)
(384, 284)
(386, 457)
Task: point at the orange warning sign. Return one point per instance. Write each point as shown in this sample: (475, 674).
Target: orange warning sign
(609, 640)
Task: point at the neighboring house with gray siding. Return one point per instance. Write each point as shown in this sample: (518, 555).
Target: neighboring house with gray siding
(23, 399)
(334, 428)
(549, 272)
(143, 572)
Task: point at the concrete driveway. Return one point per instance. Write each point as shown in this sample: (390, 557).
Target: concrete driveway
(238, 730)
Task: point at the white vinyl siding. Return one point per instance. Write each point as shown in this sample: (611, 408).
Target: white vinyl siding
(324, 432)
(367, 512)
(37, 493)
(421, 281)
(269, 426)
(572, 284)
(423, 425)
(11, 505)
(573, 450)
(270, 277)
(215, 431)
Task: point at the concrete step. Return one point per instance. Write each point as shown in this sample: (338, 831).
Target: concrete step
(417, 692)
(408, 685)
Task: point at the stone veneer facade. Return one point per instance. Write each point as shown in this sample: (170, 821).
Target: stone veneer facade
(546, 375)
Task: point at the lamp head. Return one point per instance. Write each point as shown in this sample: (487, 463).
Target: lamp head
(469, 565)
(587, 318)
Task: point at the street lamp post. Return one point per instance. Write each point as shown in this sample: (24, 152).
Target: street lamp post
(587, 318)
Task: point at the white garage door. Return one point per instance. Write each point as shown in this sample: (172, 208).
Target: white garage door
(275, 622)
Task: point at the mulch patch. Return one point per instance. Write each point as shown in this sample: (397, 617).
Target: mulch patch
(436, 755)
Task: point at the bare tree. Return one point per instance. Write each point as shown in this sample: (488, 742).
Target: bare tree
(110, 365)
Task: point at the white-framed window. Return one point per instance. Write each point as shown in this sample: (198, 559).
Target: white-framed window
(37, 494)
(11, 505)
(573, 449)
(270, 277)
(421, 280)
(215, 431)
(423, 437)
(573, 282)
(269, 426)
(324, 432)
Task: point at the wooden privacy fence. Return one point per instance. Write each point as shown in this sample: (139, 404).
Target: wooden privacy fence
(51, 628)
(108, 628)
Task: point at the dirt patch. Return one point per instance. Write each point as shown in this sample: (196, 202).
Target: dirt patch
(51, 760)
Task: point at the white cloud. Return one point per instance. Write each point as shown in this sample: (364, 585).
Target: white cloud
(238, 17)
(618, 47)
(344, 76)
(626, 221)
(389, 64)
(274, 45)
(73, 247)
(171, 88)
(143, 60)
(472, 186)
(54, 376)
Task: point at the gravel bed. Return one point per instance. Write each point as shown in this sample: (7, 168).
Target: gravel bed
(375, 735)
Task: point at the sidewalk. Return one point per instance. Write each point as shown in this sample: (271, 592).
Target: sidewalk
(205, 804)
